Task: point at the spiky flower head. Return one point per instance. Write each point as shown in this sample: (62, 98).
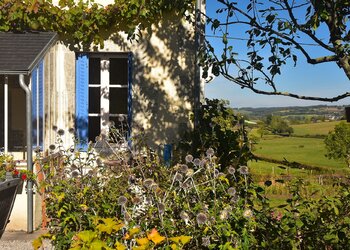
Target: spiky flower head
(189, 158)
(210, 152)
(231, 170)
(197, 162)
(231, 191)
(201, 218)
(122, 200)
(178, 177)
(243, 170)
(183, 168)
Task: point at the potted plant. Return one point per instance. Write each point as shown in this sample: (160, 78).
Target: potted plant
(11, 182)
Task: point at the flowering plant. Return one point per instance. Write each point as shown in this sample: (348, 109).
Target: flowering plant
(8, 165)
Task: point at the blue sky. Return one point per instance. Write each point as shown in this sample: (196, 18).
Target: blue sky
(325, 80)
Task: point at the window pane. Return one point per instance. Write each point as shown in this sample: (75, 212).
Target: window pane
(94, 127)
(94, 71)
(118, 100)
(118, 71)
(94, 100)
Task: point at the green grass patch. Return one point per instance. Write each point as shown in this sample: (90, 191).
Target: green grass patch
(303, 150)
(319, 128)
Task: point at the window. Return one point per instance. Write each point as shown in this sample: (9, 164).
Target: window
(103, 92)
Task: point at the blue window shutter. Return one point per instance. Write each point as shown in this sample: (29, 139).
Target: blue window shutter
(34, 105)
(82, 99)
(130, 73)
(41, 104)
(167, 153)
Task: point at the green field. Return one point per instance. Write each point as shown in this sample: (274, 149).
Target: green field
(309, 151)
(320, 128)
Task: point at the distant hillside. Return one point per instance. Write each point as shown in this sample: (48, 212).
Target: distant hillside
(329, 112)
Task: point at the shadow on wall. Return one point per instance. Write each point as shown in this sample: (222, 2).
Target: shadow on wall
(163, 77)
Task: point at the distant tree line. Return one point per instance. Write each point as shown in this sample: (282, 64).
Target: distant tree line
(275, 125)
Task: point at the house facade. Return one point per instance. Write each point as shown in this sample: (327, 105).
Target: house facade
(148, 85)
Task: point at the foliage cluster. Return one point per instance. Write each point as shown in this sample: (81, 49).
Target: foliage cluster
(125, 199)
(223, 130)
(338, 143)
(274, 124)
(83, 23)
(276, 33)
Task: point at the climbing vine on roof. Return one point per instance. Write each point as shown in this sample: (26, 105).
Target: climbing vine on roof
(82, 23)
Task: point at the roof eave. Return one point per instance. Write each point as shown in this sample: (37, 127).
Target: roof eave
(14, 72)
(43, 52)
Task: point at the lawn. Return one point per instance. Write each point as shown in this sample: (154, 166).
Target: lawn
(319, 128)
(310, 151)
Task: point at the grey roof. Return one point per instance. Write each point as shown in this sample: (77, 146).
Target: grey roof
(21, 52)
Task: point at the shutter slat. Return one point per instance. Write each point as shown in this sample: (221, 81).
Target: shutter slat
(41, 104)
(82, 99)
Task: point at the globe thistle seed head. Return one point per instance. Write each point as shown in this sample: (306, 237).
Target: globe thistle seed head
(196, 162)
(183, 168)
(231, 191)
(231, 170)
(243, 170)
(54, 128)
(178, 177)
(122, 200)
(201, 218)
(189, 158)
(202, 163)
(52, 147)
(210, 152)
(71, 130)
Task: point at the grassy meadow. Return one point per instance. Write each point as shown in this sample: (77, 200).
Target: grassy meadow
(305, 150)
(320, 128)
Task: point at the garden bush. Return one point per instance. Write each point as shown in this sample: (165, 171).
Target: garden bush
(221, 129)
(126, 199)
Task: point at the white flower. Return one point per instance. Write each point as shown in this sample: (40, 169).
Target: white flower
(247, 213)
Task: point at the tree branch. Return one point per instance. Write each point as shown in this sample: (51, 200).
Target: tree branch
(244, 84)
(305, 31)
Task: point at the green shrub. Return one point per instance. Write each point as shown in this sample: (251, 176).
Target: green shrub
(128, 200)
(219, 128)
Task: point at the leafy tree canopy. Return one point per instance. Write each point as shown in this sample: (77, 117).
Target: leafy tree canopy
(277, 32)
(338, 143)
(84, 23)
